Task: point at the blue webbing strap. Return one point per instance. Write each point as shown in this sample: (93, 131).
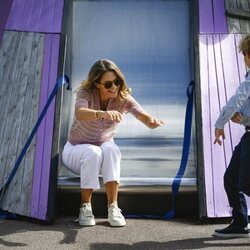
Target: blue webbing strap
(60, 82)
(185, 152)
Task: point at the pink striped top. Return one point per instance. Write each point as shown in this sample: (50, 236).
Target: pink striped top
(98, 131)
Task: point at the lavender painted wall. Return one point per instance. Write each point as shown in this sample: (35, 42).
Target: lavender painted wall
(36, 16)
(221, 71)
(212, 17)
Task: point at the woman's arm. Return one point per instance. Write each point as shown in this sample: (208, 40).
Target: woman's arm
(149, 120)
(86, 114)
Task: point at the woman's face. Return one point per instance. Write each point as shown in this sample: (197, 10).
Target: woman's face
(108, 86)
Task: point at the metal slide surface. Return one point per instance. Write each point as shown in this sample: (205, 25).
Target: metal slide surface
(150, 42)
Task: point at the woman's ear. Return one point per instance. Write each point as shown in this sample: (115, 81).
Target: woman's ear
(97, 85)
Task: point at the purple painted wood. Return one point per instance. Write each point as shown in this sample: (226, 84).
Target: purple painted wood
(206, 16)
(220, 76)
(5, 6)
(53, 41)
(220, 21)
(39, 203)
(232, 79)
(36, 16)
(224, 152)
(212, 17)
(204, 76)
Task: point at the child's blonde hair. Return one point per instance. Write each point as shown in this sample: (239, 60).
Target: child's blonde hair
(244, 45)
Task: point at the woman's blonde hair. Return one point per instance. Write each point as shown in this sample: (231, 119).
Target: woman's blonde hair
(244, 45)
(96, 72)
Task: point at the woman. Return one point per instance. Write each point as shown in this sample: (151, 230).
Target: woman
(100, 103)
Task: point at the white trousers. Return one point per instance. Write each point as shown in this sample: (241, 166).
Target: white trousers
(90, 161)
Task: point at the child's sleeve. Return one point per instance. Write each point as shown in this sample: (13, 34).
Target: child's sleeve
(235, 104)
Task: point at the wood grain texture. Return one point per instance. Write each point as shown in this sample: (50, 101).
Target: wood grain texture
(22, 78)
(236, 24)
(221, 71)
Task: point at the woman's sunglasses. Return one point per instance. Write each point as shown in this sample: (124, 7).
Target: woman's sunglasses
(109, 84)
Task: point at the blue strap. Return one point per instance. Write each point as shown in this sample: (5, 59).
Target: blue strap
(61, 81)
(185, 152)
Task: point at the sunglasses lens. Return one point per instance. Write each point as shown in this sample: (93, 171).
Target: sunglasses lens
(117, 82)
(108, 84)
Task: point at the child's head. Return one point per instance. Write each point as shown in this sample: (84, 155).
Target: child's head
(244, 47)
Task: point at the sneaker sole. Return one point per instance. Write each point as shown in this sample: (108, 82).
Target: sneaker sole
(87, 223)
(231, 235)
(116, 224)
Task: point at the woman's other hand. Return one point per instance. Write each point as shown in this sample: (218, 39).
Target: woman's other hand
(111, 115)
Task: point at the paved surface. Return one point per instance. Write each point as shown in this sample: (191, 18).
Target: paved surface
(142, 234)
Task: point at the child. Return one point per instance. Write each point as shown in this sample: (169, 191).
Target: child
(237, 175)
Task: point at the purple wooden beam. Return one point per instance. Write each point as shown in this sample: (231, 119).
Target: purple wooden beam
(39, 203)
(36, 16)
(220, 20)
(212, 18)
(5, 6)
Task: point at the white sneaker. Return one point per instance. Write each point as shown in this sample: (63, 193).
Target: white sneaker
(115, 217)
(86, 217)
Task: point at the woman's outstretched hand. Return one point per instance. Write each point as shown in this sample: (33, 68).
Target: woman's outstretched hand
(154, 123)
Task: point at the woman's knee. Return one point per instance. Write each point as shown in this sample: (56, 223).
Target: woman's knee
(111, 148)
(95, 152)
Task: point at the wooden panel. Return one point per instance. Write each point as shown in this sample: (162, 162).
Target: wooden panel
(39, 202)
(220, 74)
(35, 15)
(212, 16)
(235, 24)
(21, 97)
(5, 6)
(206, 123)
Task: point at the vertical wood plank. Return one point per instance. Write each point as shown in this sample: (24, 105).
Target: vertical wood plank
(233, 23)
(20, 125)
(22, 182)
(17, 196)
(5, 6)
(12, 131)
(204, 81)
(8, 49)
(232, 79)
(244, 24)
(10, 106)
(217, 86)
(54, 41)
(206, 22)
(39, 202)
(220, 22)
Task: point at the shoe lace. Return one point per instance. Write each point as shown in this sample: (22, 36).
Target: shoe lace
(87, 212)
(116, 212)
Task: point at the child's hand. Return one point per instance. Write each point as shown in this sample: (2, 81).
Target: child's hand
(237, 117)
(218, 132)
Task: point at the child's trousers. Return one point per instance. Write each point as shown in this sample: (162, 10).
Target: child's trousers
(90, 161)
(237, 180)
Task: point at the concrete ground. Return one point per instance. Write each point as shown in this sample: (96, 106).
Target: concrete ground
(65, 233)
